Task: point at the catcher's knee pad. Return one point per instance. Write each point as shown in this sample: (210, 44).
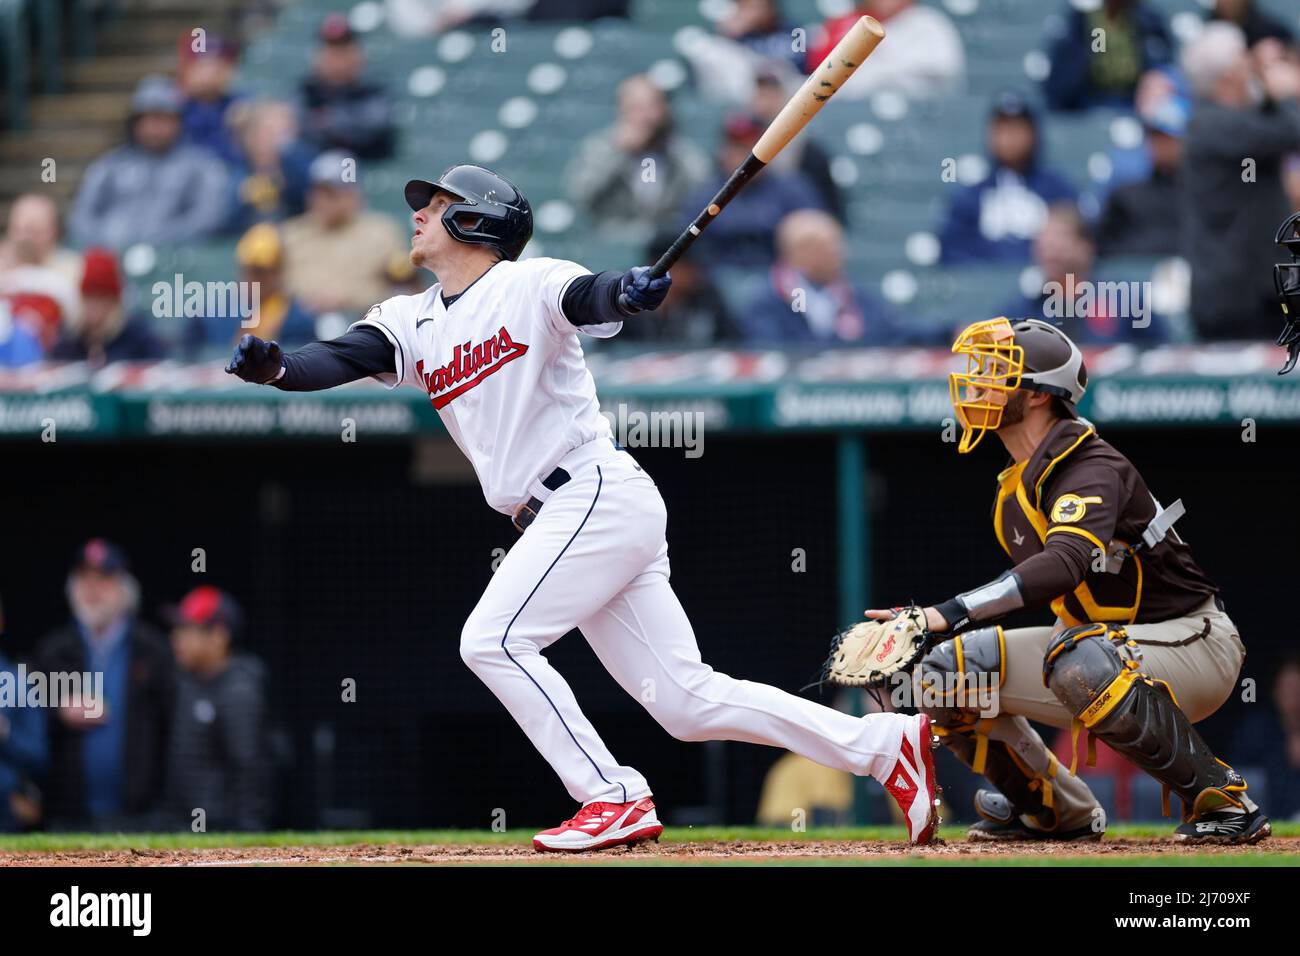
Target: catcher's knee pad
(957, 681)
(1095, 670)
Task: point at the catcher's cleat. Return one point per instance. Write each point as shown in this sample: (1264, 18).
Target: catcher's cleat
(598, 826)
(1001, 824)
(1227, 827)
(912, 782)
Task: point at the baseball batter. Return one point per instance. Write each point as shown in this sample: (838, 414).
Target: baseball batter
(494, 343)
(1141, 647)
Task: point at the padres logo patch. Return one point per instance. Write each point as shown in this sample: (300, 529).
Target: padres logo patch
(1069, 508)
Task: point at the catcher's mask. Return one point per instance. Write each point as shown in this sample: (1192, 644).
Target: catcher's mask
(1286, 279)
(1002, 357)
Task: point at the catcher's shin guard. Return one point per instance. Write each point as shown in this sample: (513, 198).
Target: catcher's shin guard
(954, 682)
(1031, 794)
(1095, 670)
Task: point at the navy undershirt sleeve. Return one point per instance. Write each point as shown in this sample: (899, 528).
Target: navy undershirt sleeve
(593, 299)
(360, 353)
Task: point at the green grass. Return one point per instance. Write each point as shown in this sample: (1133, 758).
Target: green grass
(53, 842)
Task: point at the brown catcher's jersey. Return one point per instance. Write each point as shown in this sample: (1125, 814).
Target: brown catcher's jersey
(1069, 515)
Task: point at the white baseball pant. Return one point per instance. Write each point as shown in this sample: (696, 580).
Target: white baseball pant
(596, 558)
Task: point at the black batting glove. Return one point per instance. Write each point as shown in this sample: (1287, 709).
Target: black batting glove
(638, 292)
(256, 361)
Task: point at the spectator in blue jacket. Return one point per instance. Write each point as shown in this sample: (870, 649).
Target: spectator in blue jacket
(1071, 297)
(996, 219)
(23, 752)
(342, 109)
(809, 299)
(18, 344)
(271, 175)
(205, 78)
(743, 238)
(1098, 55)
(107, 750)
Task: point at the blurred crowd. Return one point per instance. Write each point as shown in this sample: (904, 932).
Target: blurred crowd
(200, 160)
(1217, 169)
(166, 731)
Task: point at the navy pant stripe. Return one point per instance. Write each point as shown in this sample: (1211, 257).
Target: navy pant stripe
(600, 481)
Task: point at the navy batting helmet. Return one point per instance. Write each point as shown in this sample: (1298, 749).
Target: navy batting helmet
(492, 211)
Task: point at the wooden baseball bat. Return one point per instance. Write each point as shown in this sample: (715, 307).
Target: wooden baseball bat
(854, 47)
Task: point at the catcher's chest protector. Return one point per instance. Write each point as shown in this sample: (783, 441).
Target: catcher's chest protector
(1077, 485)
(1024, 515)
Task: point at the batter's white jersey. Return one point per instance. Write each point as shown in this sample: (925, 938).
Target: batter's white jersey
(503, 367)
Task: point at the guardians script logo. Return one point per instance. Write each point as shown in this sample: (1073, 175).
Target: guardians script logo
(468, 367)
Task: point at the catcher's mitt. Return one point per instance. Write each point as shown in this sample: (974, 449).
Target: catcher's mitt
(869, 653)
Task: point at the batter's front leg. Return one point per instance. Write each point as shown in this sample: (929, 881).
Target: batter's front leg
(646, 642)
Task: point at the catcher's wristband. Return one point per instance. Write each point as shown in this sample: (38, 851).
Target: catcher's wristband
(954, 612)
(998, 598)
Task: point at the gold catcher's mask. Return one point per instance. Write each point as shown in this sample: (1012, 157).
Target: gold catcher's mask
(1002, 357)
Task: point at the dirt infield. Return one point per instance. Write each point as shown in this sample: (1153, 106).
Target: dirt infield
(1114, 851)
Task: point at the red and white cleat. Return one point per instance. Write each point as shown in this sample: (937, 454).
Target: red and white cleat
(912, 782)
(598, 826)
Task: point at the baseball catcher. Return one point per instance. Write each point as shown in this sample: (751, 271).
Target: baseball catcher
(1141, 647)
